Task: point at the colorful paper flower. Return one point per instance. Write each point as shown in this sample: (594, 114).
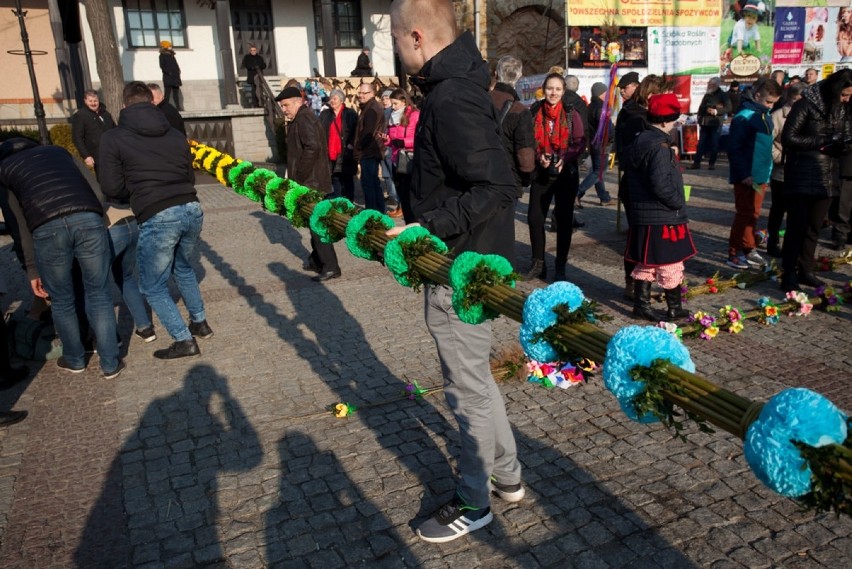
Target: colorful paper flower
(343, 410)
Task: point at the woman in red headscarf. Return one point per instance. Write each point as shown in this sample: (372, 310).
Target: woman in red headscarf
(560, 139)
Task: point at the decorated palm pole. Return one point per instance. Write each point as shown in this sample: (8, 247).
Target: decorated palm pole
(798, 443)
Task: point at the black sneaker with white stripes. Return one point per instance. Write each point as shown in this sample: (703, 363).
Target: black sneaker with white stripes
(454, 520)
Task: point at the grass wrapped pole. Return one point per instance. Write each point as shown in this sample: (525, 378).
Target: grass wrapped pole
(698, 397)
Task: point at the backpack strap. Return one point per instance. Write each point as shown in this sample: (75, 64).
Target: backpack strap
(505, 111)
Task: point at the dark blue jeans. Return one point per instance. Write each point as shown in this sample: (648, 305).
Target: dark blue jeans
(708, 144)
(81, 236)
(166, 241)
(370, 185)
(123, 237)
(592, 178)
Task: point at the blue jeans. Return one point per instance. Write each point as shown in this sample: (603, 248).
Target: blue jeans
(57, 243)
(387, 174)
(123, 237)
(592, 178)
(370, 185)
(166, 241)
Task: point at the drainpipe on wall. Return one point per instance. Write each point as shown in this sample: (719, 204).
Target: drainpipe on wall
(476, 23)
(329, 66)
(226, 55)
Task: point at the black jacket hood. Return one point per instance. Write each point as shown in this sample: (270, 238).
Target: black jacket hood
(144, 119)
(460, 59)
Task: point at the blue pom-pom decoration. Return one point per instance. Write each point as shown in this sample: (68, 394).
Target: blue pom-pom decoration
(539, 316)
(639, 345)
(793, 415)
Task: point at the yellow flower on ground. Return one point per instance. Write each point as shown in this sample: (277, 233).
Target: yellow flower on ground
(711, 331)
(341, 410)
(736, 327)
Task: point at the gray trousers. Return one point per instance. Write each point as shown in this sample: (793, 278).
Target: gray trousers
(487, 443)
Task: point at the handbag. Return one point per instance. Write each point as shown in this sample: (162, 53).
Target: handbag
(405, 162)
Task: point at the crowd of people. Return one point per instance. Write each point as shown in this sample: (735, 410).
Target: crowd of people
(456, 163)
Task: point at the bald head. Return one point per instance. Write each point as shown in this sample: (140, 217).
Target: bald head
(421, 29)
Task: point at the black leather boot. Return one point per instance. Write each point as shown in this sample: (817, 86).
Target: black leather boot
(674, 303)
(559, 272)
(773, 248)
(538, 270)
(628, 288)
(642, 302)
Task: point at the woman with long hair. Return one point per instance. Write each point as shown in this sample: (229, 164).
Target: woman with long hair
(400, 138)
(816, 135)
(560, 139)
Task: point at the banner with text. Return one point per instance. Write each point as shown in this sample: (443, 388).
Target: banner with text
(683, 51)
(644, 12)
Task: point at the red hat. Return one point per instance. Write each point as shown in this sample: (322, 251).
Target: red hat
(663, 108)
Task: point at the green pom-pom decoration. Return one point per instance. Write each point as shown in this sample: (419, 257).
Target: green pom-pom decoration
(411, 243)
(469, 274)
(321, 216)
(276, 189)
(254, 187)
(297, 196)
(359, 226)
(238, 174)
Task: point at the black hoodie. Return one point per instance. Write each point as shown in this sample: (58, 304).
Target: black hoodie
(463, 187)
(147, 161)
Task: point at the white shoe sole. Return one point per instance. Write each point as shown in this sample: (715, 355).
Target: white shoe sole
(473, 526)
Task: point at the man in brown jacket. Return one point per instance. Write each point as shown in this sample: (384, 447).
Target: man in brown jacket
(368, 150)
(307, 164)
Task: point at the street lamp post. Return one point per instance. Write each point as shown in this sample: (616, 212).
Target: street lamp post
(28, 53)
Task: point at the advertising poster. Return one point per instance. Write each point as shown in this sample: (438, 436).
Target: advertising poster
(685, 50)
(789, 36)
(746, 43)
(644, 12)
(591, 46)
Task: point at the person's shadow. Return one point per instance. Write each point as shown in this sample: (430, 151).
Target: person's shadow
(167, 472)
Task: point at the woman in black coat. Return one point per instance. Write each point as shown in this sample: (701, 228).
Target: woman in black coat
(171, 74)
(659, 240)
(339, 123)
(815, 135)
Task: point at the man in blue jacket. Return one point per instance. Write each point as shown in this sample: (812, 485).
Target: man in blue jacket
(463, 191)
(750, 156)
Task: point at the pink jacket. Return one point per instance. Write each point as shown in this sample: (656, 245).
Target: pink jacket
(404, 133)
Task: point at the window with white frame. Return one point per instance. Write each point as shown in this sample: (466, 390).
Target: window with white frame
(347, 23)
(148, 22)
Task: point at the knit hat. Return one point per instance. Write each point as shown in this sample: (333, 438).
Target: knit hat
(165, 44)
(628, 78)
(597, 89)
(387, 93)
(289, 93)
(663, 108)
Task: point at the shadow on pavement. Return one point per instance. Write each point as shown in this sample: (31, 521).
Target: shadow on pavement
(168, 469)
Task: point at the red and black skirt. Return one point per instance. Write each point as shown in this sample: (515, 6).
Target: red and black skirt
(657, 245)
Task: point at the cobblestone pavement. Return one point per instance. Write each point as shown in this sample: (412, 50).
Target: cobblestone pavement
(230, 459)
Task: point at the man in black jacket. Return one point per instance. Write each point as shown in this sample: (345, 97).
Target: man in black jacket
(149, 162)
(61, 212)
(463, 191)
(517, 122)
(307, 164)
(168, 109)
(88, 125)
(711, 113)
(368, 149)
(254, 65)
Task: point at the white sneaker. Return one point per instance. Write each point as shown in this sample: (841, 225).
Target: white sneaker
(755, 260)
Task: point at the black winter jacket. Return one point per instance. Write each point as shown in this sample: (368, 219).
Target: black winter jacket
(463, 189)
(307, 152)
(173, 116)
(809, 127)
(371, 121)
(654, 181)
(518, 135)
(45, 181)
(632, 119)
(253, 64)
(718, 100)
(170, 68)
(573, 100)
(147, 161)
(87, 127)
